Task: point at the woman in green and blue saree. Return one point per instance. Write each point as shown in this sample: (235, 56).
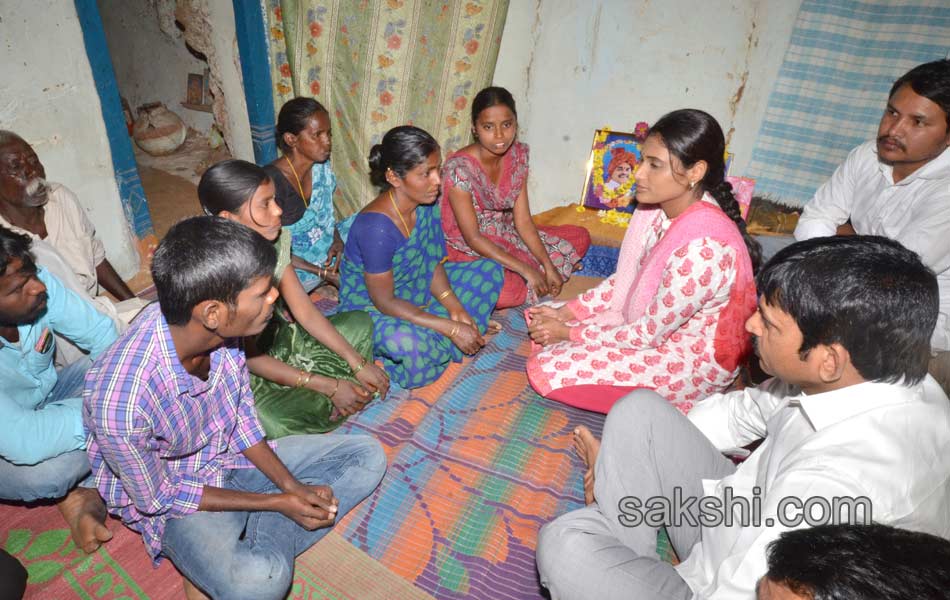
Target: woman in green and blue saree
(426, 312)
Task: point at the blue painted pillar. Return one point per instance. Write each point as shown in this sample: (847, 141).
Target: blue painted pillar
(258, 89)
(123, 158)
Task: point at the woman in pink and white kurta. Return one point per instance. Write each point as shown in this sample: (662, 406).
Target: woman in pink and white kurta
(672, 318)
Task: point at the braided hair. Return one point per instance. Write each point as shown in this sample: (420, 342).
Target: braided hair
(691, 136)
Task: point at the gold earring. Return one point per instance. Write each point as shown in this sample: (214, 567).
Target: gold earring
(692, 184)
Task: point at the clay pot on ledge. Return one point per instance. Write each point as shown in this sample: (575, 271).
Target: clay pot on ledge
(158, 130)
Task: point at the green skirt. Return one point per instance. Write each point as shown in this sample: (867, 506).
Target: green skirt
(287, 410)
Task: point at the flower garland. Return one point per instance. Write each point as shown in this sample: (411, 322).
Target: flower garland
(619, 192)
(615, 217)
(610, 217)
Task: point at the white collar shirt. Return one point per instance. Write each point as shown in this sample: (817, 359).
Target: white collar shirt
(70, 232)
(914, 211)
(885, 442)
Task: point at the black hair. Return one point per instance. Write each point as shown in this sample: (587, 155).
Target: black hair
(861, 562)
(930, 80)
(229, 185)
(868, 293)
(691, 136)
(492, 96)
(293, 117)
(402, 149)
(207, 258)
(15, 245)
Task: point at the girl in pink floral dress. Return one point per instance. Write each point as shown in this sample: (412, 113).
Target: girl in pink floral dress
(672, 318)
(485, 209)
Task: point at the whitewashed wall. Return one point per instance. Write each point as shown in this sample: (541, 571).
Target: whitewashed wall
(227, 55)
(576, 65)
(49, 98)
(573, 66)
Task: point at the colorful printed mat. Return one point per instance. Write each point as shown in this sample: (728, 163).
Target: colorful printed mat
(120, 570)
(478, 463)
(331, 570)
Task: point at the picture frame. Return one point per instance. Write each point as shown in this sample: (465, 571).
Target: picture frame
(194, 93)
(609, 184)
(614, 155)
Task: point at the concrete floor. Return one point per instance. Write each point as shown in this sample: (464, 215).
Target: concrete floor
(171, 187)
(170, 198)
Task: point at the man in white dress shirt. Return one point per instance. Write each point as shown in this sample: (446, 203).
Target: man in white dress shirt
(853, 429)
(898, 186)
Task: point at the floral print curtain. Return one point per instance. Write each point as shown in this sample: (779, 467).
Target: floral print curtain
(376, 64)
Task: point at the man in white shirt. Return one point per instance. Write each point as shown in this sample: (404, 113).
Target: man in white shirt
(898, 186)
(853, 429)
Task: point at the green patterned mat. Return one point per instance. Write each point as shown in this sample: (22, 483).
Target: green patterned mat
(120, 570)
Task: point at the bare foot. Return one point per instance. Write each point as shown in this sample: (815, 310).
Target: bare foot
(589, 487)
(192, 592)
(85, 513)
(587, 447)
(493, 327)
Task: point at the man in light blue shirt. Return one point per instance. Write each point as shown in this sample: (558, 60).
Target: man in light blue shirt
(42, 442)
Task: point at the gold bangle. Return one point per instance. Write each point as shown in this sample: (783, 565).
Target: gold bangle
(303, 379)
(444, 294)
(335, 389)
(455, 331)
(360, 367)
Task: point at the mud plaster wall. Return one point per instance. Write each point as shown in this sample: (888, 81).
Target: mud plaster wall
(209, 29)
(150, 58)
(49, 98)
(574, 66)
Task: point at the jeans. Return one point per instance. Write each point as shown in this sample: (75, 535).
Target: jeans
(251, 555)
(54, 477)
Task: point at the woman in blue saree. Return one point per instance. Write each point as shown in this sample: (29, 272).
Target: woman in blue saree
(426, 312)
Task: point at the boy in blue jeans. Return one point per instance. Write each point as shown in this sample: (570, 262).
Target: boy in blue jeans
(176, 447)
